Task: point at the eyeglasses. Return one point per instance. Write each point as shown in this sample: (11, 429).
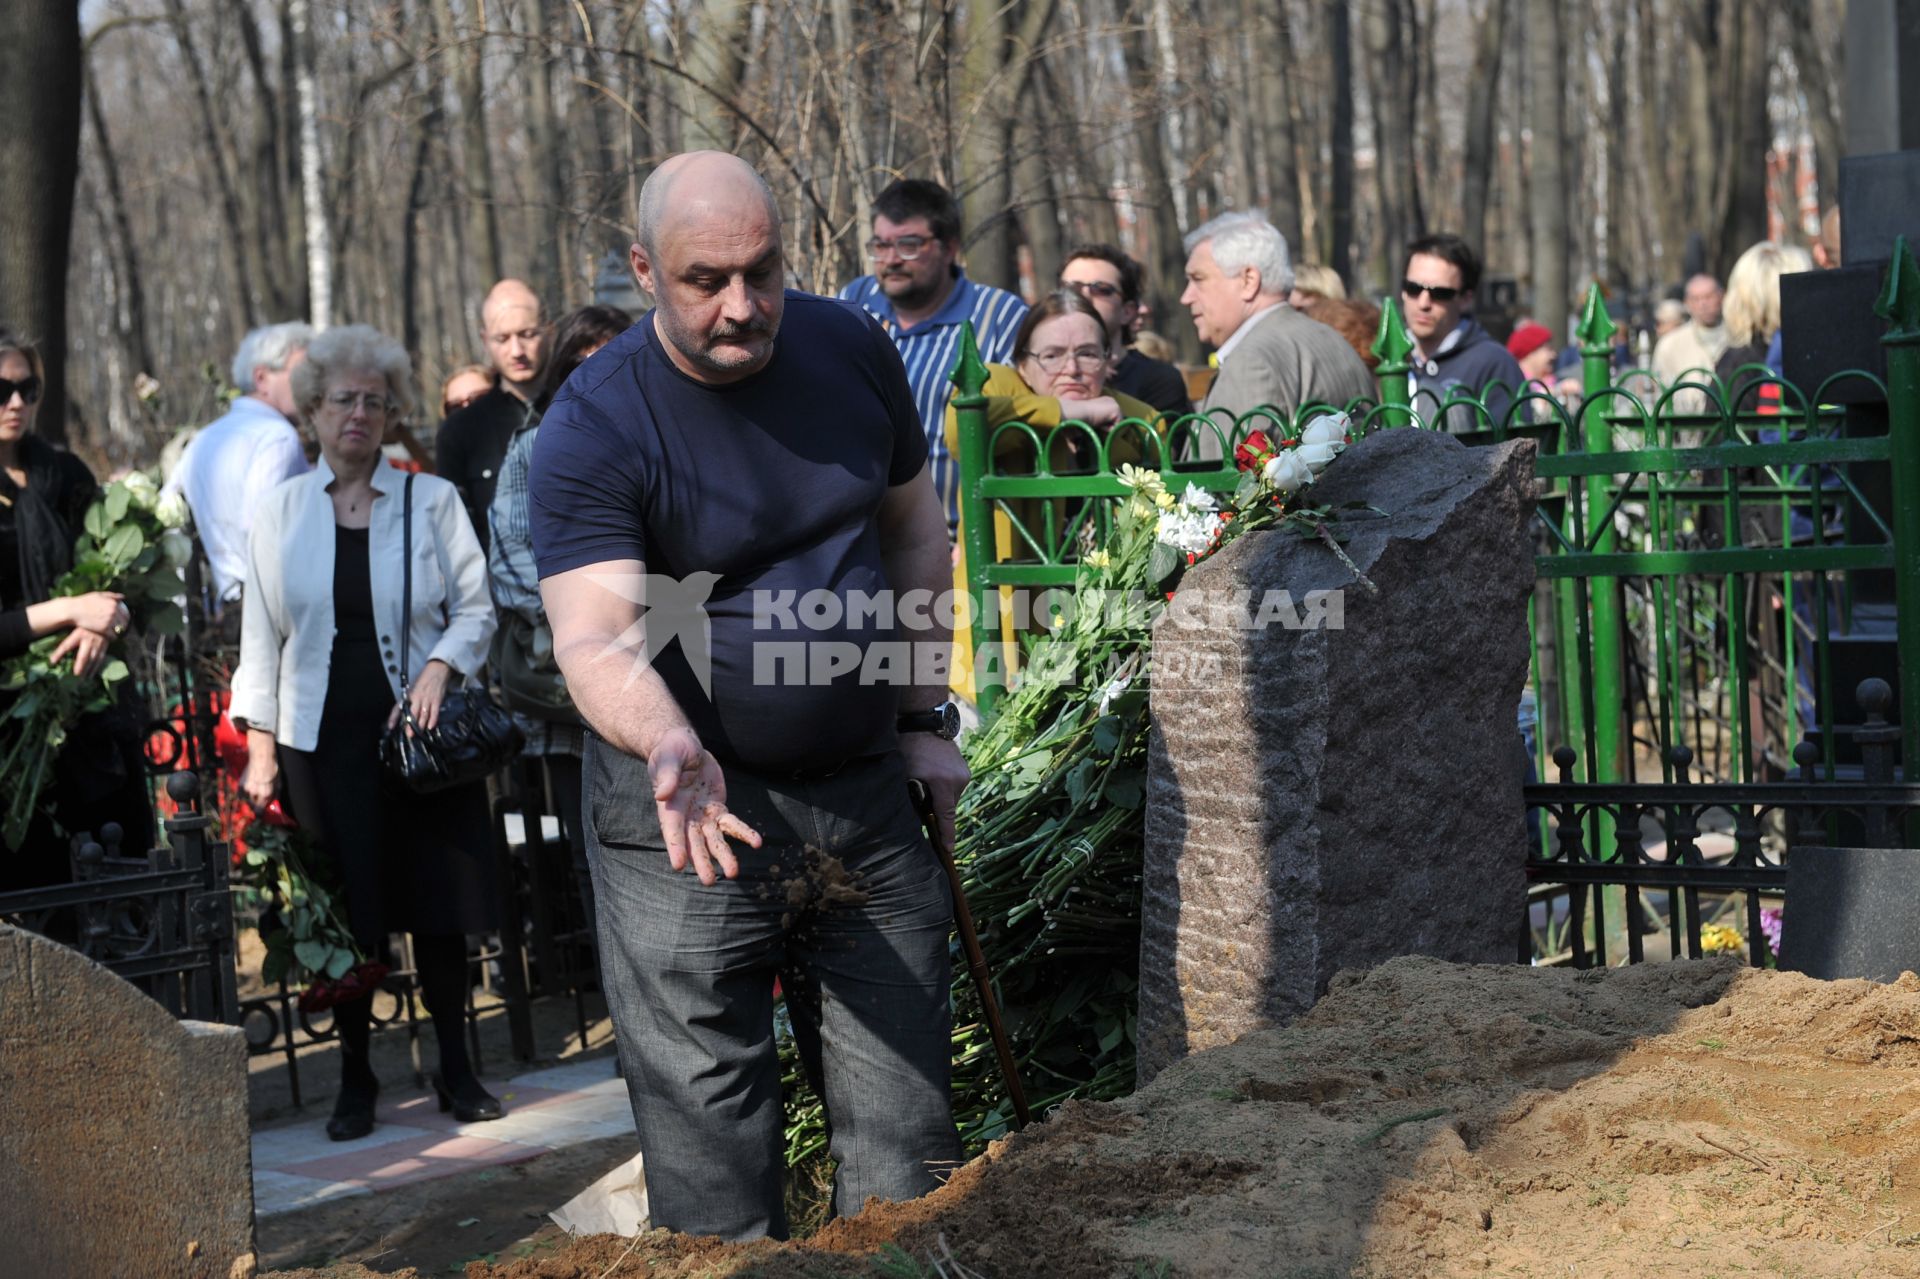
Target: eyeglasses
(373, 402)
(907, 248)
(1438, 292)
(1092, 288)
(28, 389)
(1086, 357)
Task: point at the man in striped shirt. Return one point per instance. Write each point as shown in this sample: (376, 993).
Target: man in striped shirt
(921, 296)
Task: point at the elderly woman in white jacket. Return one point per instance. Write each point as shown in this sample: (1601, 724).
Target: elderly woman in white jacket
(320, 679)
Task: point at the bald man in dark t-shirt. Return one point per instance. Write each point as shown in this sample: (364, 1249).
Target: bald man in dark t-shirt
(747, 462)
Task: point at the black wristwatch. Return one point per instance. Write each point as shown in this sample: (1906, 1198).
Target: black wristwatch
(942, 721)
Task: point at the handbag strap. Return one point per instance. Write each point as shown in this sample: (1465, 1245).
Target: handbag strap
(406, 590)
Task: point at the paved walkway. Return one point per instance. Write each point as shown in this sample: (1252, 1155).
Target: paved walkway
(295, 1166)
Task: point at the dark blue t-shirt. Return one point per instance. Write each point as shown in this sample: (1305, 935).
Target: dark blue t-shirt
(762, 490)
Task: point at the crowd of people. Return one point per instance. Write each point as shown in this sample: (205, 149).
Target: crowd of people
(594, 451)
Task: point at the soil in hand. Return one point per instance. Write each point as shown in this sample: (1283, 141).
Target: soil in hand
(1436, 1119)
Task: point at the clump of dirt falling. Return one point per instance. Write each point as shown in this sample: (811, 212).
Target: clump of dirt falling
(1438, 1119)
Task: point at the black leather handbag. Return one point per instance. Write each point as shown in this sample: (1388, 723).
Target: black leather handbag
(473, 737)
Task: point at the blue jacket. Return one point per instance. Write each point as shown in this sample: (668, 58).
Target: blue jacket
(1472, 361)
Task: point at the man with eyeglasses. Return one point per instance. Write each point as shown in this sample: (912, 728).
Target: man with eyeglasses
(921, 296)
(1452, 354)
(473, 441)
(239, 457)
(1110, 281)
(1238, 278)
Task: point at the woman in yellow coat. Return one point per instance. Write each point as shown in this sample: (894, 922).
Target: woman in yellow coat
(1059, 374)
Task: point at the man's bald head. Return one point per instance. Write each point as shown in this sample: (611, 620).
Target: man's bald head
(514, 325)
(697, 185)
(709, 252)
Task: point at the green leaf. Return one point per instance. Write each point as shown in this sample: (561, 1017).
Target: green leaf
(1080, 778)
(1164, 563)
(273, 969)
(117, 500)
(1107, 733)
(339, 963)
(256, 858)
(124, 543)
(313, 955)
(1125, 789)
(1247, 489)
(1112, 1030)
(166, 620)
(114, 671)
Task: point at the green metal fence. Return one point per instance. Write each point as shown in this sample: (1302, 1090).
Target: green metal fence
(1698, 546)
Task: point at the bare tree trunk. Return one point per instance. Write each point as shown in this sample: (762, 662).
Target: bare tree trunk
(217, 157)
(1742, 186)
(1546, 68)
(1478, 159)
(715, 59)
(1819, 81)
(40, 72)
(1340, 215)
(133, 290)
(1660, 138)
(1281, 138)
(1166, 261)
(549, 203)
(319, 245)
(280, 254)
(1040, 207)
(482, 215)
(1393, 86)
(998, 59)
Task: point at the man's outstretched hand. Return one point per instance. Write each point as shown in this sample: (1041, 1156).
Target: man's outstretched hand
(690, 796)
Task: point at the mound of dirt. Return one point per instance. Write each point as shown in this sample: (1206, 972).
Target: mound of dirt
(1437, 1119)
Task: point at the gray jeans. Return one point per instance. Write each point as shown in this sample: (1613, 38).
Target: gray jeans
(847, 904)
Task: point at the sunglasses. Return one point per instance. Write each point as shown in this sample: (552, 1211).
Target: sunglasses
(1093, 288)
(1438, 292)
(28, 390)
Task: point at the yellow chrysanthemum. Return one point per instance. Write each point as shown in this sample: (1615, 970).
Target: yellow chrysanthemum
(1141, 480)
(1098, 559)
(1165, 501)
(1718, 938)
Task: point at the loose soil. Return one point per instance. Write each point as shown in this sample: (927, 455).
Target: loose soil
(1433, 1119)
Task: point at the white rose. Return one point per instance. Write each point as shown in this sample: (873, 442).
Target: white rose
(1316, 456)
(177, 547)
(171, 510)
(141, 488)
(1328, 428)
(1285, 473)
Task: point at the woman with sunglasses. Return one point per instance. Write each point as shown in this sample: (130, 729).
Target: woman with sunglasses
(44, 496)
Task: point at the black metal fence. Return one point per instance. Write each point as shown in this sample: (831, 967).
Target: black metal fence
(1640, 849)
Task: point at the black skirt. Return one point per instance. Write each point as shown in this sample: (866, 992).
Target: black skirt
(407, 862)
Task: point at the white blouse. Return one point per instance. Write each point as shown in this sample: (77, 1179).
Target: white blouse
(286, 627)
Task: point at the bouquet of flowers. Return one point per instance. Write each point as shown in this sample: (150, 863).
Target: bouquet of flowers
(131, 542)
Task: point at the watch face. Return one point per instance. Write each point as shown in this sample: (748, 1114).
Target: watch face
(949, 720)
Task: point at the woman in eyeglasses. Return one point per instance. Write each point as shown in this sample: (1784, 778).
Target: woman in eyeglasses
(323, 640)
(1059, 375)
(44, 496)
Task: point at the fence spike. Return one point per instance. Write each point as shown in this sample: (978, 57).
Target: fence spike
(1392, 343)
(1596, 328)
(969, 374)
(1899, 301)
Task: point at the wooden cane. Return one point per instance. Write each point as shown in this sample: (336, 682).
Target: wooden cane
(976, 959)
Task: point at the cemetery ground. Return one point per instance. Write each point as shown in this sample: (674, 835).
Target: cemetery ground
(1426, 1118)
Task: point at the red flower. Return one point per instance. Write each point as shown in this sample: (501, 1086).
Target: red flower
(362, 979)
(1253, 452)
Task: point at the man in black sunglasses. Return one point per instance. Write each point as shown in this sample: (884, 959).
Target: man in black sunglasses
(1453, 356)
(1110, 280)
